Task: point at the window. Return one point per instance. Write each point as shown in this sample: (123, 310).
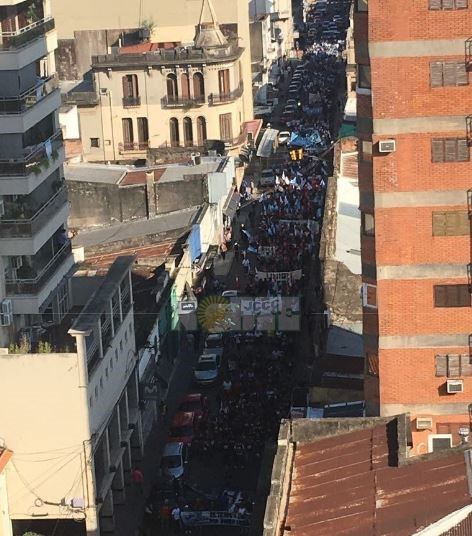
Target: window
(143, 132)
(361, 5)
(453, 365)
(363, 76)
(185, 85)
(130, 90)
(451, 223)
(128, 134)
(188, 132)
(447, 73)
(198, 86)
(366, 151)
(439, 442)
(201, 131)
(451, 296)
(369, 295)
(95, 142)
(368, 224)
(447, 4)
(226, 127)
(372, 364)
(174, 132)
(172, 90)
(223, 81)
(449, 150)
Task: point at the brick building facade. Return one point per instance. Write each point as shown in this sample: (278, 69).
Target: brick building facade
(415, 196)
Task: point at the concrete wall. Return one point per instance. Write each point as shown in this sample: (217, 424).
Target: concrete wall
(46, 428)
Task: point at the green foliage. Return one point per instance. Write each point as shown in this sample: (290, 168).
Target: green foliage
(44, 347)
(23, 348)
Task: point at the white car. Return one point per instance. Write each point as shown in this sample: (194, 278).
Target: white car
(284, 136)
(267, 178)
(174, 459)
(207, 369)
(214, 344)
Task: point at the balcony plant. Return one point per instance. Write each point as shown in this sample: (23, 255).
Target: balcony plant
(33, 13)
(24, 347)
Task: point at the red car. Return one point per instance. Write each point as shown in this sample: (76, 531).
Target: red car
(184, 427)
(195, 402)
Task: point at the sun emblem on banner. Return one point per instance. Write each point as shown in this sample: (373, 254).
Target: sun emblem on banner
(213, 314)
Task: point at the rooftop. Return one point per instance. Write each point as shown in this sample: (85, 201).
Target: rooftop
(100, 173)
(97, 302)
(353, 477)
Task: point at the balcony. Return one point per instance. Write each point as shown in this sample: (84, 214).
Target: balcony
(182, 102)
(33, 285)
(131, 102)
(133, 147)
(27, 227)
(23, 36)
(36, 159)
(28, 99)
(224, 98)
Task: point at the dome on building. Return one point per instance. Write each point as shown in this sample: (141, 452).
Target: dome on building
(209, 34)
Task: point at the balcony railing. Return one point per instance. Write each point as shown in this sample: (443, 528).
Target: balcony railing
(33, 286)
(223, 98)
(25, 101)
(170, 57)
(131, 102)
(130, 147)
(37, 157)
(182, 102)
(23, 36)
(22, 227)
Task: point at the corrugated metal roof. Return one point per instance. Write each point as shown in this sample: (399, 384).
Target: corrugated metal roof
(350, 485)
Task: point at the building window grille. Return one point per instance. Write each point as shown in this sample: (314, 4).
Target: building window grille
(449, 150)
(451, 296)
(437, 5)
(448, 73)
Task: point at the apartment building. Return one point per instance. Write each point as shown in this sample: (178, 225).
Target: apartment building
(413, 114)
(35, 253)
(76, 429)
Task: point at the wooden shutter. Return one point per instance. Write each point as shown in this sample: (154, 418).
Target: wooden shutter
(439, 223)
(453, 366)
(457, 223)
(450, 70)
(437, 150)
(461, 296)
(440, 296)
(436, 70)
(441, 365)
(450, 150)
(462, 150)
(435, 4)
(372, 364)
(134, 85)
(127, 124)
(448, 4)
(466, 365)
(126, 87)
(462, 76)
(462, 4)
(185, 83)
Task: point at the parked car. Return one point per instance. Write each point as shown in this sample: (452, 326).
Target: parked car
(284, 137)
(174, 459)
(214, 344)
(194, 402)
(184, 427)
(230, 294)
(267, 178)
(207, 370)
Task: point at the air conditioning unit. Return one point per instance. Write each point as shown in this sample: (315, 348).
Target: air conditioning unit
(17, 262)
(424, 423)
(6, 308)
(387, 146)
(5, 320)
(2, 208)
(103, 91)
(455, 386)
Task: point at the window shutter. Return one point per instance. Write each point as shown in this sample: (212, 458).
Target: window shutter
(449, 70)
(448, 4)
(125, 87)
(450, 150)
(441, 365)
(437, 150)
(134, 86)
(440, 296)
(462, 295)
(462, 76)
(439, 223)
(463, 224)
(434, 4)
(436, 68)
(453, 365)
(462, 150)
(466, 365)
(462, 4)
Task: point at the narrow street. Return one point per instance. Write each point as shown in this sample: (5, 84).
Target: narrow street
(266, 356)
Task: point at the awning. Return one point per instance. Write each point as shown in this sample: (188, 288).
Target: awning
(231, 205)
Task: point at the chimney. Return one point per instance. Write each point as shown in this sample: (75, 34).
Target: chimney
(151, 195)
